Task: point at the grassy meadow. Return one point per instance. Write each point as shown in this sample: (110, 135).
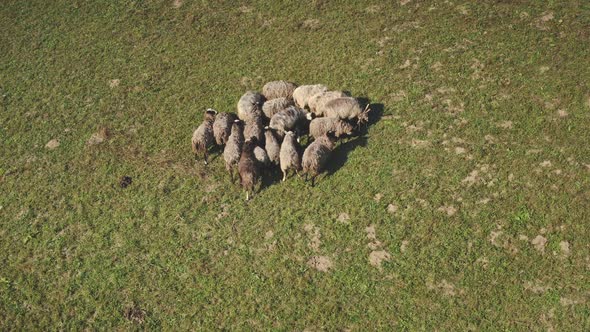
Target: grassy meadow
(464, 206)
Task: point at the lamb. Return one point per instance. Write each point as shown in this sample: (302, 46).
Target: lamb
(248, 167)
(222, 127)
(261, 156)
(317, 102)
(316, 155)
(273, 106)
(320, 126)
(278, 89)
(288, 119)
(233, 148)
(203, 136)
(346, 108)
(289, 155)
(254, 128)
(271, 146)
(302, 94)
(250, 105)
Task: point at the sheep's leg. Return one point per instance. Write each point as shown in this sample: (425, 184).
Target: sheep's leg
(313, 180)
(247, 195)
(206, 154)
(284, 175)
(305, 177)
(231, 174)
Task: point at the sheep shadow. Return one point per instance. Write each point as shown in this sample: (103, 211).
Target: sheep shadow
(343, 149)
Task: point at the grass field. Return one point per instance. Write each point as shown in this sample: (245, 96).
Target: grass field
(466, 206)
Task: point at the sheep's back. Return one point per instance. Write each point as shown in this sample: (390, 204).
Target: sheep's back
(302, 94)
(278, 89)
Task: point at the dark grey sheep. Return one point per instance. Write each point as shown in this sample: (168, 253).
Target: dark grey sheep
(272, 146)
(250, 105)
(289, 154)
(302, 94)
(346, 108)
(233, 148)
(248, 167)
(278, 89)
(203, 136)
(317, 102)
(254, 128)
(288, 119)
(320, 126)
(316, 155)
(273, 106)
(222, 127)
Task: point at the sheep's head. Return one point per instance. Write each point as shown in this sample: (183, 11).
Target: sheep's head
(310, 116)
(363, 117)
(345, 128)
(331, 135)
(210, 114)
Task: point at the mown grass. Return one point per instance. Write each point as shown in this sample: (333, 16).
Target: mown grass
(464, 86)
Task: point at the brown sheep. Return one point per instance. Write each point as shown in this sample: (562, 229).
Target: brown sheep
(248, 167)
(203, 136)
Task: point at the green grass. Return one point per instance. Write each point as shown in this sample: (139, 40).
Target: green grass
(181, 244)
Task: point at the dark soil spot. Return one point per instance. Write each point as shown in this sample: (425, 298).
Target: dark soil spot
(135, 314)
(125, 181)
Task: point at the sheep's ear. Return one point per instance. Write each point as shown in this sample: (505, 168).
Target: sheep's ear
(367, 108)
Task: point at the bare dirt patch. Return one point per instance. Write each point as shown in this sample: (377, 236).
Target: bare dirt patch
(311, 24)
(344, 218)
(53, 144)
(114, 83)
(320, 263)
(505, 124)
(536, 287)
(314, 236)
(177, 3)
(564, 247)
(134, 314)
(449, 210)
(99, 137)
(392, 208)
(377, 257)
(445, 287)
(539, 243)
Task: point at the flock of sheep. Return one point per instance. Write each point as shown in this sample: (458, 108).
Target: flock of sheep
(268, 127)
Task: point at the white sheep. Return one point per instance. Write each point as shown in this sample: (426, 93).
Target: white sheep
(346, 108)
(289, 154)
(302, 94)
(317, 102)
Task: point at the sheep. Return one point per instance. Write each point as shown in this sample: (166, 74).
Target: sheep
(222, 127)
(288, 119)
(316, 155)
(273, 106)
(254, 128)
(271, 146)
(233, 148)
(250, 105)
(203, 136)
(261, 156)
(302, 94)
(346, 108)
(278, 89)
(248, 167)
(317, 102)
(320, 126)
(289, 155)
